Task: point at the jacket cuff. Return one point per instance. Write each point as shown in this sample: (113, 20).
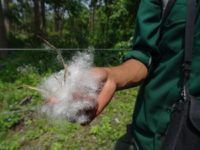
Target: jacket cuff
(142, 56)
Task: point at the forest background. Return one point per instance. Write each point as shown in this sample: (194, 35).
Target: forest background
(104, 26)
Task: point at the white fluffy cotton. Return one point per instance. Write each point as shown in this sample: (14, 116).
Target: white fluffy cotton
(79, 81)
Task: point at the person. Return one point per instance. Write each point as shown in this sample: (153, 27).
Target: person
(155, 63)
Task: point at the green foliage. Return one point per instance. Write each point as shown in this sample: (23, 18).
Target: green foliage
(7, 120)
(72, 23)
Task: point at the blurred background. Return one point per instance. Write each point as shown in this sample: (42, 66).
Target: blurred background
(106, 27)
(66, 23)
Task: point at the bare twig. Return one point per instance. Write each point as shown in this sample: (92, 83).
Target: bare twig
(25, 101)
(58, 52)
(30, 87)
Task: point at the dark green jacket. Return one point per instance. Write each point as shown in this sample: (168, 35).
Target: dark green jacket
(162, 52)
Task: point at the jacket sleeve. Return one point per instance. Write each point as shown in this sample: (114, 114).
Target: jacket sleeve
(147, 32)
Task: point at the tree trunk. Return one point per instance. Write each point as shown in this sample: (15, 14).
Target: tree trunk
(6, 14)
(43, 15)
(57, 19)
(38, 17)
(92, 17)
(3, 39)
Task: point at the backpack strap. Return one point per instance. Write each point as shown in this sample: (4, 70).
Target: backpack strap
(189, 39)
(167, 6)
(164, 4)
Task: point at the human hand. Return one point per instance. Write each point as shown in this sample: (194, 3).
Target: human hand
(102, 98)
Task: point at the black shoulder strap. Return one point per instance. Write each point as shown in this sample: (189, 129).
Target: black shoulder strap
(189, 39)
(189, 30)
(167, 9)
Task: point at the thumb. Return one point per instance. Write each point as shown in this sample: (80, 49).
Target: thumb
(105, 95)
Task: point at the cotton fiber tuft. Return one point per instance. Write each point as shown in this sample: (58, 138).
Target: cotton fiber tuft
(76, 93)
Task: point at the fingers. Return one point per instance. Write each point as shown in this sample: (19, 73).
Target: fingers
(51, 100)
(90, 113)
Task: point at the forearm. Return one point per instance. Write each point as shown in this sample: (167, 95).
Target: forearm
(128, 74)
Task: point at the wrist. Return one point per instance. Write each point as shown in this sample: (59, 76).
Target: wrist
(129, 74)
